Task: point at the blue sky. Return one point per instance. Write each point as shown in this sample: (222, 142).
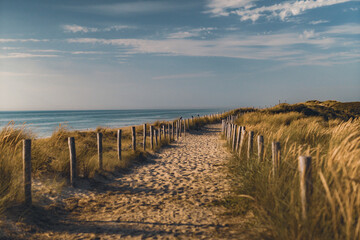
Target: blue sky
(176, 54)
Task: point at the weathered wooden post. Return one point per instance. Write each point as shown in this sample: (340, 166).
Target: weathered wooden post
(242, 140)
(260, 148)
(71, 142)
(100, 150)
(156, 137)
(173, 130)
(234, 138)
(188, 123)
(119, 132)
(152, 137)
(276, 152)
(250, 144)
(222, 126)
(27, 171)
(144, 136)
(184, 121)
(177, 130)
(180, 127)
(164, 131)
(168, 130)
(305, 184)
(238, 137)
(159, 131)
(133, 131)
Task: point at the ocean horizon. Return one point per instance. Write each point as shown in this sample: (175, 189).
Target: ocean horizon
(44, 123)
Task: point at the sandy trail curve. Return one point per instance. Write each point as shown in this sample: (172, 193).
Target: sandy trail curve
(171, 196)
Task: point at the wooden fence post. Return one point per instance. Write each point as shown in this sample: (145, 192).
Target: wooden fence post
(250, 144)
(144, 136)
(100, 149)
(119, 143)
(173, 130)
(156, 137)
(184, 121)
(242, 140)
(71, 142)
(159, 131)
(276, 152)
(152, 137)
(133, 131)
(238, 137)
(305, 184)
(180, 127)
(168, 130)
(222, 126)
(260, 148)
(27, 171)
(234, 138)
(177, 130)
(164, 131)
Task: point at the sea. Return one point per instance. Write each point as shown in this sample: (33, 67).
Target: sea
(44, 123)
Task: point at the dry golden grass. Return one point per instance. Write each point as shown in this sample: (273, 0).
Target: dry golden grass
(334, 211)
(50, 156)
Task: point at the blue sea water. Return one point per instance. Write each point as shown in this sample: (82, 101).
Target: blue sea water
(43, 123)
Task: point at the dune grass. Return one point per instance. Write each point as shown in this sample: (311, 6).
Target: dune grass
(50, 156)
(334, 211)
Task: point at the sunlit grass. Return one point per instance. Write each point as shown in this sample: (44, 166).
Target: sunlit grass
(334, 211)
(50, 156)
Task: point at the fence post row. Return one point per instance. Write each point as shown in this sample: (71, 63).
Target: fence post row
(27, 171)
(71, 142)
(119, 143)
(133, 131)
(276, 152)
(305, 184)
(100, 149)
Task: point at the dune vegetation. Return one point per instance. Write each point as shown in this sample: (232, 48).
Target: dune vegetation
(50, 156)
(329, 132)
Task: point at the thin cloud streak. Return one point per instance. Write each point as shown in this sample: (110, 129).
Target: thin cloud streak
(247, 9)
(184, 76)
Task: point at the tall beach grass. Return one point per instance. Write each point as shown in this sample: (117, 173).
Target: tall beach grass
(334, 210)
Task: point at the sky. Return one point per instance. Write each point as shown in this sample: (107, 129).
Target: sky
(156, 54)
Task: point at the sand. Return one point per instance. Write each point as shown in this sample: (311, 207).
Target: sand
(171, 196)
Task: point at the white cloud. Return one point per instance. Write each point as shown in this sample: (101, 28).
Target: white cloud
(117, 28)
(26, 55)
(86, 52)
(248, 10)
(348, 29)
(183, 76)
(271, 46)
(318, 22)
(135, 7)
(7, 40)
(76, 28)
(196, 32)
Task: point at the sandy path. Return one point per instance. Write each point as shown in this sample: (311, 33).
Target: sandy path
(170, 197)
